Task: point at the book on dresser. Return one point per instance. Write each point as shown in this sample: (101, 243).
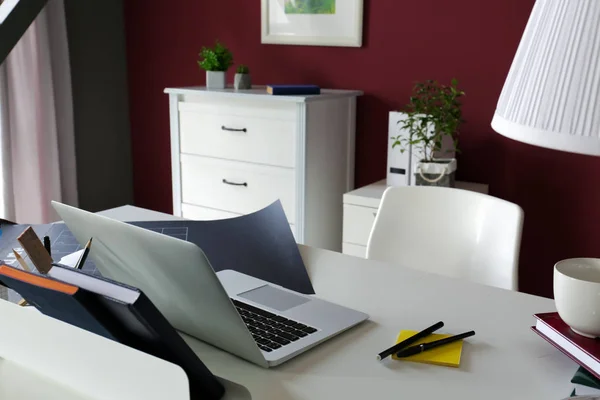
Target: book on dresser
(287, 90)
(233, 153)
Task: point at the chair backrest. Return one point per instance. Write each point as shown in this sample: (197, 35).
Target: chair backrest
(451, 232)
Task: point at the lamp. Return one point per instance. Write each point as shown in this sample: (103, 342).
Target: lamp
(551, 97)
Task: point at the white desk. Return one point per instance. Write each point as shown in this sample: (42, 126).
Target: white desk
(505, 360)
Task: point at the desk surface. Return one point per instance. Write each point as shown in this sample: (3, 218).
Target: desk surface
(504, 360)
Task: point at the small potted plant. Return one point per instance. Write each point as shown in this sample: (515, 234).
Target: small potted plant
(433, 117)
(242, 78)
(215, 62)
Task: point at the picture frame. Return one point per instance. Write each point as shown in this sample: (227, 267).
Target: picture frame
(312, 22)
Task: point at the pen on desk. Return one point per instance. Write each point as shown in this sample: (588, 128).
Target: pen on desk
(21, 261)
(47, 245)
(410, 340)
(411, 351)
(84, 255)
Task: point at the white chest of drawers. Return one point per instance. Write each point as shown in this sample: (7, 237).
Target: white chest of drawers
(360, 210)
(235, 152)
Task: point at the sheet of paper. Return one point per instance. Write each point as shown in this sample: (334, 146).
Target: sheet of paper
(260, 244)
(71, 260)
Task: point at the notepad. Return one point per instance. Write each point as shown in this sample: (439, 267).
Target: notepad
(447, 356)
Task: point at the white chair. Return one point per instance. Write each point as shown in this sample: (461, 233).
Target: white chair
(451, 232)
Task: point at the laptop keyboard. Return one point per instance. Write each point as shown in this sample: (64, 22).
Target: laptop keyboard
(271, 331)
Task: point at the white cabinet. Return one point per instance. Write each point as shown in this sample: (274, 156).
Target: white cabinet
(360, 209)
(235, 152)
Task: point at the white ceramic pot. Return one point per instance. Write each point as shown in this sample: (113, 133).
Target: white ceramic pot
(242, 82)
(577, 294)
(215, 79)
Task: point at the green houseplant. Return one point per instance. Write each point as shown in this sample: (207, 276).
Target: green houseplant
(433, 117)
(242, 80)
(215, 61)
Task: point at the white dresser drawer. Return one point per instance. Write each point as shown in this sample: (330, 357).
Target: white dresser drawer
(354, 250)
(249, 107)
(358, 222)
(236, 187)
(198, 213)
(235, 137)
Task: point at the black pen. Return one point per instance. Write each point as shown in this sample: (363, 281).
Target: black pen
(47, 245)
(410, 340)
(411, 351)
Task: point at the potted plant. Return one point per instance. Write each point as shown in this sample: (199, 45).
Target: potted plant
(215, 62)
(242, 78)
(433, 117)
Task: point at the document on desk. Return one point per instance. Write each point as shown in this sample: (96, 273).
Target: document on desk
(260, 244)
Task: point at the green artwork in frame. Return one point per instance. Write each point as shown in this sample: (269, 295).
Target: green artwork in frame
(309, 6)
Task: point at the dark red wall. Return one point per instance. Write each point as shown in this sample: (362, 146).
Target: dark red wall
(404, 41)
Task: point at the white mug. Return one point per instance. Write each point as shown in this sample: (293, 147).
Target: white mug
(577, 294)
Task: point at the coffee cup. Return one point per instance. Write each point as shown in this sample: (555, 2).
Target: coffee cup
(577, 294)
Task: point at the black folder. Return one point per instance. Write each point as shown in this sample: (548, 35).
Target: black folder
(129, 318)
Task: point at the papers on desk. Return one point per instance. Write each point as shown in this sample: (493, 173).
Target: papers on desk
(260, 244)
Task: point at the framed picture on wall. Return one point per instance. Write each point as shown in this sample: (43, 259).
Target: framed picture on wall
(312, 22)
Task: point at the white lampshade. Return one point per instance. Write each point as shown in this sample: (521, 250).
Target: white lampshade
(551, 97)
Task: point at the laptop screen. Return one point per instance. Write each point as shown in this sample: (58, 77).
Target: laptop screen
(15, 18)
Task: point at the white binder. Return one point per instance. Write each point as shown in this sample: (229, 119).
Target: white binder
(401, 167)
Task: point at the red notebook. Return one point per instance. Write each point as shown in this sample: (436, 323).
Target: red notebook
(584, 351)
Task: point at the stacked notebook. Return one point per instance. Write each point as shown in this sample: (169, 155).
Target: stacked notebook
(585, 384)
(115, 311)
(584, 351)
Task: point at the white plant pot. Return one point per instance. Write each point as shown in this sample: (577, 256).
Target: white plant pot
(439, 173)
(215, 79)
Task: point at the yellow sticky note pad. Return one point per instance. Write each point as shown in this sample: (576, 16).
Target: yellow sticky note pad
(448, 355)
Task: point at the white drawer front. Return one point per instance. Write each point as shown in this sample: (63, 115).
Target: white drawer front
(241, 138)
(354, 250)
(249, 107)
(236, 187)
(209, 214)
(358, 222)
(197, 213)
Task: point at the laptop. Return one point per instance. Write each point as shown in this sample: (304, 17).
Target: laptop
(258, 321)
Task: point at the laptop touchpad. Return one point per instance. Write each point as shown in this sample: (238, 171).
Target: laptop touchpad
(274, 298)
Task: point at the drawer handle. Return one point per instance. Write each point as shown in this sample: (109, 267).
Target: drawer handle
(225, 181)
(233, 129)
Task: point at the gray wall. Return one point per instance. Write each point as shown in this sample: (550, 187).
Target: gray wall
(96, 36)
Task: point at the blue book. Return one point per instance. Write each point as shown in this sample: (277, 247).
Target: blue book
(288, 90)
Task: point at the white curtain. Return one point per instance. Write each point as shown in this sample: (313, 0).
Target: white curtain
(36, 122)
